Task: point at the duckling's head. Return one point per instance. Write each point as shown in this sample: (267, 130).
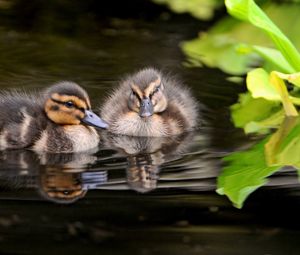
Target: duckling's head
(147, 93)
(66, 103)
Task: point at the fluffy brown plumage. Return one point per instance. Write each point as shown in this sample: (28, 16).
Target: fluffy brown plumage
(56, 120)
(149, 103)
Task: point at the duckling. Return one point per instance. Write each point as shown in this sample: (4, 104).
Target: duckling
(149, 103)
(57, 120)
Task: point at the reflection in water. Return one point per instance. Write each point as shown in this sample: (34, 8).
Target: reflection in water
(60, 186)
(61, 178)
(142, 173)
(144, 164)
(145, 155)
(148, 163)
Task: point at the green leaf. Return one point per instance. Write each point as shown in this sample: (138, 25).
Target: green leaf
(247, 10)
(265, 125)
(244, 173)
(258, 83)
(217, 50)
(271, 87)
(274, 58)
(252, 109)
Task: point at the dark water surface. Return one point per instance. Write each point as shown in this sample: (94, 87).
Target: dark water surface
(135, 196)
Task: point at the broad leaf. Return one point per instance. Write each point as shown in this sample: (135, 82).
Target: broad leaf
(271, 87)
(274, 59)
(258, 83)
(247, 10)
(217, 51)
(252, 109)
(244, 173)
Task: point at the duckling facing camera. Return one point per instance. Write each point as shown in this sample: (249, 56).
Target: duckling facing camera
(149, 103)
(59, 119)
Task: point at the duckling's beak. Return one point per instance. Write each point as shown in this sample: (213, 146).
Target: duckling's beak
(92, 119)
(146, 108)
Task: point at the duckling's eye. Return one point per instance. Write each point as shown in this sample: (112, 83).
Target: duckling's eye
(134, 93)
(69, 104)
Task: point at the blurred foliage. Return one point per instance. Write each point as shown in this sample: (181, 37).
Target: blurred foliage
(201, 9)
(228, 45)
(246, 171)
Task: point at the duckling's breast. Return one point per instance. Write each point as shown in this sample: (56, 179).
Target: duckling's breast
(82, 137)
(68, 138)
(132, 124)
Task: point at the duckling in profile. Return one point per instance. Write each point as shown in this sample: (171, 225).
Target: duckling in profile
(149, 103)
(57, 120)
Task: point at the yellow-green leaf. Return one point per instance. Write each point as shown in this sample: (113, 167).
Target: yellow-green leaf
(258, 83)
(279, 84)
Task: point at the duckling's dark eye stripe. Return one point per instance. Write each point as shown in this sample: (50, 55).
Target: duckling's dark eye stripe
(156, 89)
(136, 95)
(57, 101)
(63, 103)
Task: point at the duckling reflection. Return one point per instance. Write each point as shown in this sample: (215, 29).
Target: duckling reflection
(67, 187)
(65, 179)
(142, 173)
(60, 178)
(60, 187)
(145, 155)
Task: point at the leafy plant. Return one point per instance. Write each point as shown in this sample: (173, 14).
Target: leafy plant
(270, 85)
(246, 171)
